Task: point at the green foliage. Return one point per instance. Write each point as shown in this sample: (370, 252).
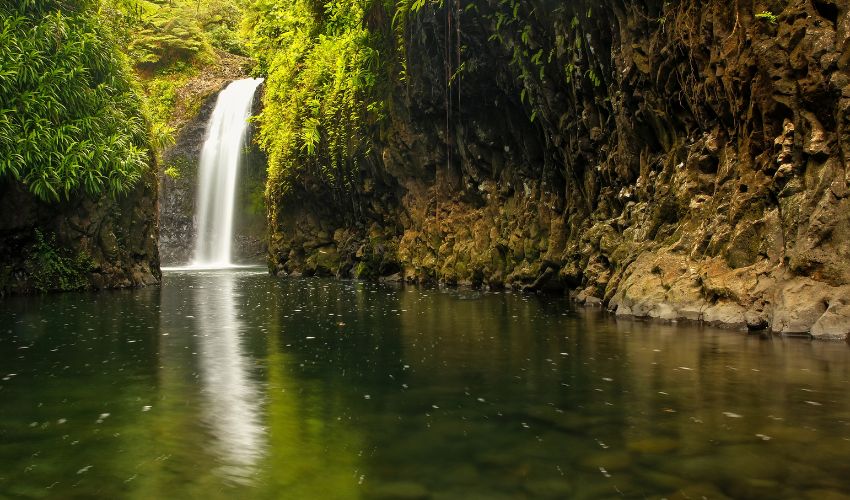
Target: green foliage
(54, 269)
(164, 39)
(179, 167)
(768, 16)
(159, 35)
(172, 171)
(161, 92)
(169, 43)
(226, 39)
(322, 67)
(34, 7)
(69, 114)
(404, 9)
(257, 202)
(571, 52)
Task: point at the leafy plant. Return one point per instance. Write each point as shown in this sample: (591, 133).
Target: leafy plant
(69, 113)
(768, 16)
(165, 39)
(172, 172)
(169, 44)
(54, 269)
(322, 67)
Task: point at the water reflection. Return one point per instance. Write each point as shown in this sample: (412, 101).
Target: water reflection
(231, 398)
(238, 385)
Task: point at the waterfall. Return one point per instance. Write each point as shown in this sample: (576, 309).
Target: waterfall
(220, 158)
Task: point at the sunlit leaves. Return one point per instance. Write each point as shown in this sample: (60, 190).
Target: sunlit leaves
(70, 118)
(322, 65)
(310, 135)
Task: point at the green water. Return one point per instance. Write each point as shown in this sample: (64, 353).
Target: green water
(233, 384)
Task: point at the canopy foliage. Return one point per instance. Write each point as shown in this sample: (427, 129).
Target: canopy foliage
(70, 116)
(322, 66)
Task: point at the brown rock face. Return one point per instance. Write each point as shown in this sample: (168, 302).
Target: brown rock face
(686, 160)
(84, 244)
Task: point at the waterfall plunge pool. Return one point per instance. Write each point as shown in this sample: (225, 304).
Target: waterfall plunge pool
(234, 384)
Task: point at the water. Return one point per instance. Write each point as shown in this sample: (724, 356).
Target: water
(233, 384)
(218, 172)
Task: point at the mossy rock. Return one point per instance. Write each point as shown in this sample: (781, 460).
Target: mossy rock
(362, 270)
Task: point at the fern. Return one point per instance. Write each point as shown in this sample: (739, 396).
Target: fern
(768, 16)
(54, 269)
(320, 88)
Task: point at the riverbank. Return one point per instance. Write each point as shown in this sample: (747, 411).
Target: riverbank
(677, 161)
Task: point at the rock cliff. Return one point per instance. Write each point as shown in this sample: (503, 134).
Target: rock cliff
(84, 243)
(674, 160)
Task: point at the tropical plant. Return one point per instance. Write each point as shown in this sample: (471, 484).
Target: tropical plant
(69, 114)
(322, 66)
(768, 16)
(54, 268)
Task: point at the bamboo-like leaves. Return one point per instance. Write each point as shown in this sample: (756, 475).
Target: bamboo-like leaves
(69, 119)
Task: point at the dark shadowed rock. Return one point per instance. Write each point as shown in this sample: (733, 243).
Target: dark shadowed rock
(698, 177)
(86, 243)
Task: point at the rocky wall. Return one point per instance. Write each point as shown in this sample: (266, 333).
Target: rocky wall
(677, 160)
(85, 243)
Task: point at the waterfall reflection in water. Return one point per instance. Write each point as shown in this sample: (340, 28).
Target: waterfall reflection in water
(236, 384)
(232, 402)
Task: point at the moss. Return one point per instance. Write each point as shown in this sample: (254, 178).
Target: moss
(179, 167)
(54, 269)
(361, 271)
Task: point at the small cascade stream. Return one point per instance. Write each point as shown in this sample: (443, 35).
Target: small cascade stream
(218, 172)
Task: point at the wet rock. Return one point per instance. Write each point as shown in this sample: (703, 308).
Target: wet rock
(800, 304)
(670, 200)
(834, 324)
(324, 262)
(122, 254)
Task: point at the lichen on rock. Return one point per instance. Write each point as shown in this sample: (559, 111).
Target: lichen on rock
(679, 160)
